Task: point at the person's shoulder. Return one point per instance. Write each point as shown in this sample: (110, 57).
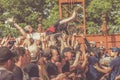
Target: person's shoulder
(34, 65)
(9, 76)
(92, 58)
(28, 66)
(5, 71)
(31, 65)
(6, 75)
(115, 61)
(49, 64)
(17, 70)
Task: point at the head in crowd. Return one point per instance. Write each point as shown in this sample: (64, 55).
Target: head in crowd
(102, 50)
(51, 53)
(46, 54)
(114, 51)
(95, 52)
(34, 53)
(20, 56)
(11, 44)
(54, 53)
(6, 58)
(28, 59)
(92, 44)
(28, 42)
(42, 59)
(40, 28)
(28, 29)
(67, 53)
(31, 40)
(57, 39)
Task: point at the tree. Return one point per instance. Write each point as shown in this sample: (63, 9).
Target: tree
(24, 11)
(97, 8)
(28, 11)
(52, 11)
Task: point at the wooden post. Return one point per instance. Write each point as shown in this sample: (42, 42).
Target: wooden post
(84, 12)
(60, 9)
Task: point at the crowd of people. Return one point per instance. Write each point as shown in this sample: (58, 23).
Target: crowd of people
(41, 55)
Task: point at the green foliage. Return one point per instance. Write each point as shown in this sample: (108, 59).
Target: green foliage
(24, 11)
(28, 11)
(96, 8)
(6, 30)
(99, 6)
(93, 28)
(53, 13)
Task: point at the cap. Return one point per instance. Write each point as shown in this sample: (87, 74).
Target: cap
(51, 29)
(5, 54)
(115, 49)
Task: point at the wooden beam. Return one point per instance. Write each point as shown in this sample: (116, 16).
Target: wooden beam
(71, 13)
(60, 9)
(69, 1)
(84, 12)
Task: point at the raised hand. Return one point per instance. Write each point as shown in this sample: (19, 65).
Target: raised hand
(10, 21)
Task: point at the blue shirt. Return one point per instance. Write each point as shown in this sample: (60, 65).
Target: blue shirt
(93, 74)
(115, 65)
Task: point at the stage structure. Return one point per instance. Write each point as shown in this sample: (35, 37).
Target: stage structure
(66, 8)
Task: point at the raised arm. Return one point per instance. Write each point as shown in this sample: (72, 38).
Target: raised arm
(107, 70)
(68, 19)
(20, 29)
(12, 21)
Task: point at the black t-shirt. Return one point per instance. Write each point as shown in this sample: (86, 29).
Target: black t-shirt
(32, 70)
(57, 24)
(52, 69)
(5, 74)
(93, 74)
(66, 67)
(59, 27)
(18, 74)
